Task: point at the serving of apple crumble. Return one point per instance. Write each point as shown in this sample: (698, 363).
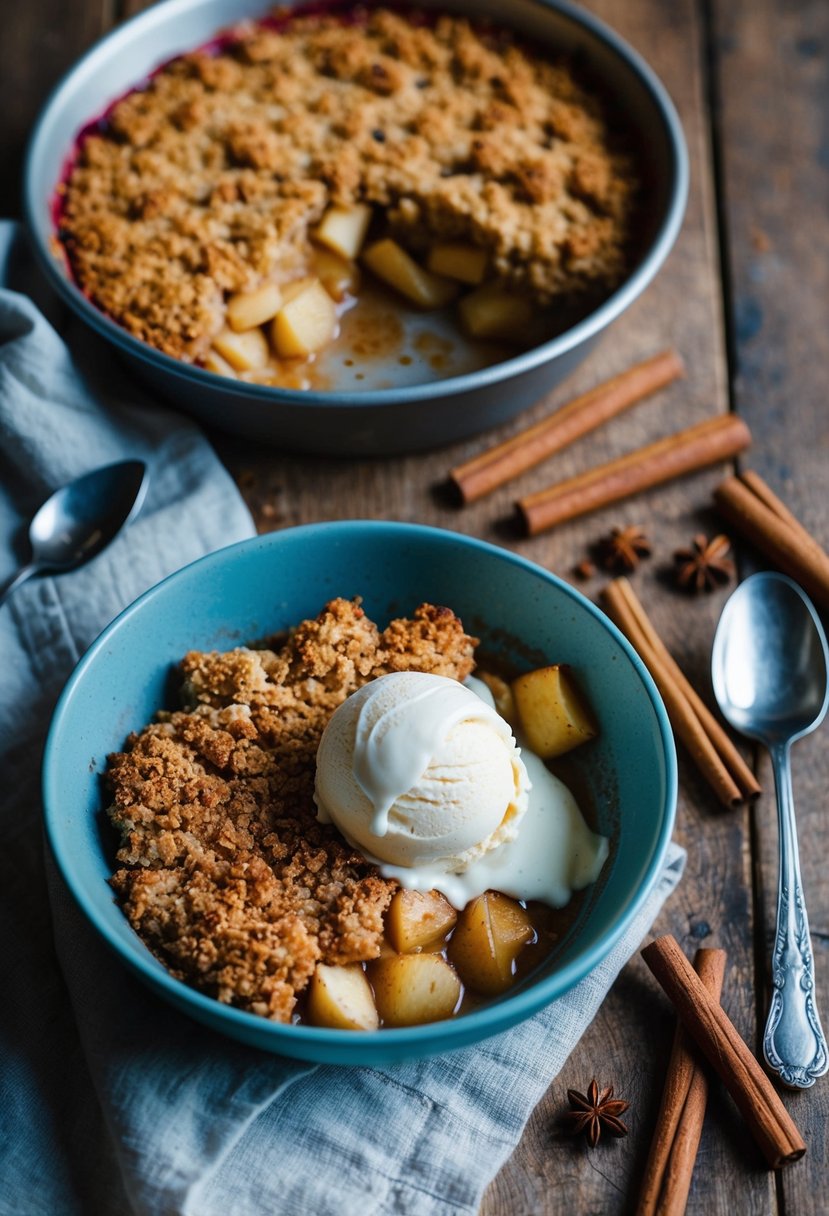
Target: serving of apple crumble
(225, 871)
(225, 211)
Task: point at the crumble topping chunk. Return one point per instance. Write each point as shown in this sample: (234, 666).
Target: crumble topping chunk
(226, 873)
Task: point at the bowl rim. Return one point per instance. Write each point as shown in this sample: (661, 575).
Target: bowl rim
(471, 1027)
(597, 320)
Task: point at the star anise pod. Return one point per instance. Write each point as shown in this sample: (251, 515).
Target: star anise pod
(592, 1113)
(624, 548)
(584, 570)
(704, 565)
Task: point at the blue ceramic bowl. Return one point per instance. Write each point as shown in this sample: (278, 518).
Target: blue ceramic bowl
(391, 417)
(520, 611)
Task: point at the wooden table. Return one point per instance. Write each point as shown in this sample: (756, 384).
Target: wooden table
(745, 298)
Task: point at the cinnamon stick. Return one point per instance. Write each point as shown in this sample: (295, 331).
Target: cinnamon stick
(676, 1139)
(765, 493)
(756, 512)
(726, 1052)
(484, 473)
(686, 451)
(728, 753)
(716, 757)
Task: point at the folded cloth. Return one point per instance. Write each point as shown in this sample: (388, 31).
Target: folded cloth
(111, 1101)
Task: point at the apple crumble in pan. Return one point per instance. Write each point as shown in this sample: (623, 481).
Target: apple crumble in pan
(224, 210)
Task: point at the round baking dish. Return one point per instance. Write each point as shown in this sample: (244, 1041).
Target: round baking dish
(522, 614)
(379, 421)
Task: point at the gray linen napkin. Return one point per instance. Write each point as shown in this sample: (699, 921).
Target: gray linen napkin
(111, 1102)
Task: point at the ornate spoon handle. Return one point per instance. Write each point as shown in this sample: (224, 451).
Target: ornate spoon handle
(793, 1043)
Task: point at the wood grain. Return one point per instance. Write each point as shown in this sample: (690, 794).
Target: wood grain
(630, 1040)
(774, 118)
(39, 42)
(766, 64)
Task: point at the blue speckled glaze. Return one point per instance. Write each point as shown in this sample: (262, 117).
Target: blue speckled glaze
(251, 589)
(397, 418)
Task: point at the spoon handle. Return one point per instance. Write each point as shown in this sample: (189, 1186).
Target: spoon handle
(793, 1043)
(24, 573)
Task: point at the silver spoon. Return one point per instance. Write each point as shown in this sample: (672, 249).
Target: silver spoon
(769, 669)
(80, 519)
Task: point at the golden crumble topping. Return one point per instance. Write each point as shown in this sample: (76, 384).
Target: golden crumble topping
(226, 873)
(208, 180)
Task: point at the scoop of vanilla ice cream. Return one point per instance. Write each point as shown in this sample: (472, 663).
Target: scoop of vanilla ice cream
(415, 769)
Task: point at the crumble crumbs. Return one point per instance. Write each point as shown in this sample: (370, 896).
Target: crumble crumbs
(209, 179)
(226, 874)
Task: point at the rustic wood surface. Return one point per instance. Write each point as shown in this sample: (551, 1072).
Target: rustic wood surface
(745, 298)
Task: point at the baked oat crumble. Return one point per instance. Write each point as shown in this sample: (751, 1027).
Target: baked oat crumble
(210, 180)
(225, 871)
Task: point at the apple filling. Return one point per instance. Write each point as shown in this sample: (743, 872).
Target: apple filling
(433, 963)
(275, 323)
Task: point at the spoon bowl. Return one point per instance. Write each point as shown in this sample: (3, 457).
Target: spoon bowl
(769, 664)
(81, 518)
(769, 669)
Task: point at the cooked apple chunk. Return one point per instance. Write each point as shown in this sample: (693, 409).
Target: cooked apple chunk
(344, 229)
(552, 712)
(491, 932)
(416, 919)
(410, 989)
(386, 950)
(245, 352)
(214, 362)
(390, 262)
(456, 260)
(296, 287)
(493, 311)
(305, 324)
(340, 997)
(247, 309)
(339, 277)
(501, 695)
